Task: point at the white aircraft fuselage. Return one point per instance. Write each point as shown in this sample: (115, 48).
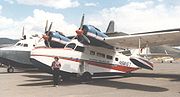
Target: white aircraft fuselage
(78, 58)
(18, 55)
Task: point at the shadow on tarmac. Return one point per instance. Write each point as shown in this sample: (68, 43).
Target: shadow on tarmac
(171, 77)
(46, 81)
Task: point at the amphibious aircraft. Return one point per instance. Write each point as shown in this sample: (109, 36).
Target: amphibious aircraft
(92, 52)
(18, 55)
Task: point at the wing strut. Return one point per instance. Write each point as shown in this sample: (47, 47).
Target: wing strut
(139, 45)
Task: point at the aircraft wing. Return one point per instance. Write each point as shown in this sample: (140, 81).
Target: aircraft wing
(149, 39)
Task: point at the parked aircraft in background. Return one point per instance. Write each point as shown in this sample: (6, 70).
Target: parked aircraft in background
(92, 52)
(18, 55)
(146, 53)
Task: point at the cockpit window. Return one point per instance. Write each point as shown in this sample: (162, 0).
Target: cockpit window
(96, 28)
(18, 44)
(25, 45)
(79, 48)
(71, 45)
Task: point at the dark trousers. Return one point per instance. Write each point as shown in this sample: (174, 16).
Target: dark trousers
(56, 76)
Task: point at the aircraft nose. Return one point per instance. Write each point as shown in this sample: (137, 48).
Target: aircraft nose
(140, 62)
(1, 52)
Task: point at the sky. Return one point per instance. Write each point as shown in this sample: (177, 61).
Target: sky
(130, 16)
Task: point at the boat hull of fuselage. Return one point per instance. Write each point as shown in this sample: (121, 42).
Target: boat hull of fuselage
(71, 61)
(19, 59)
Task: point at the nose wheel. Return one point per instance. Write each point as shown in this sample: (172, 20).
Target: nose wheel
(10, 69)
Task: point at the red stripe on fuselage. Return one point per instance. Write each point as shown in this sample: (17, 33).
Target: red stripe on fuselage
(112, 66)
(124, 69)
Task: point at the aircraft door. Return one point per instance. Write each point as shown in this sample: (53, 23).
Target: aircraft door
(82, 67)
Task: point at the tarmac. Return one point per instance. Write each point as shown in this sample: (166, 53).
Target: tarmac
(163, 81)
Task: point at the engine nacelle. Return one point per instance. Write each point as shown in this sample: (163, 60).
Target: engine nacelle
(56, 40)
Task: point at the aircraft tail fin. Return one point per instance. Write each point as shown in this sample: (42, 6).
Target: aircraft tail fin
(110, 28)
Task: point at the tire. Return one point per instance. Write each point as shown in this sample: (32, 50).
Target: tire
(86, 76)
(10, 69)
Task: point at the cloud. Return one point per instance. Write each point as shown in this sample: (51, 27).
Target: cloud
(35, 24)
(138, 17)
(90, 4)
(57, 4)
(10, 1)
(0, 8)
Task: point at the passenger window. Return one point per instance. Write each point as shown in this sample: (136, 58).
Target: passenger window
(79, 48)
(71, 45)
(92, 52)
(116, 59)
(101, 55)
(25, 45)
(109, 57)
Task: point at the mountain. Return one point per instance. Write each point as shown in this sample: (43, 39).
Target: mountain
(7, 41)
(161, 49)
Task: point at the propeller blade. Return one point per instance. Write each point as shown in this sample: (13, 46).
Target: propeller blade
(47, 43)
(46, 26)
(86, 39)
(82, 22)
(50, 27)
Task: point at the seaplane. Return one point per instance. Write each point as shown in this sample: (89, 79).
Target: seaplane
(93, 52)
(18, 55)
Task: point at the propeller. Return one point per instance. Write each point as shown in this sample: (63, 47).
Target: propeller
(80, 32)
(48, 35)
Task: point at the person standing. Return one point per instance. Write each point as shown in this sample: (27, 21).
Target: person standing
(56, 65)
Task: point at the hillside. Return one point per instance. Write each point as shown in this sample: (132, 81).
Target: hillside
(7, 41)
(170, 50)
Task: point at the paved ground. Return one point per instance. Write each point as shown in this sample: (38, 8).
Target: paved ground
(163, 81)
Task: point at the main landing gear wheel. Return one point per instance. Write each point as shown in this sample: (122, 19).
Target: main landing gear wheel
(86, 76)
(10, 69)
